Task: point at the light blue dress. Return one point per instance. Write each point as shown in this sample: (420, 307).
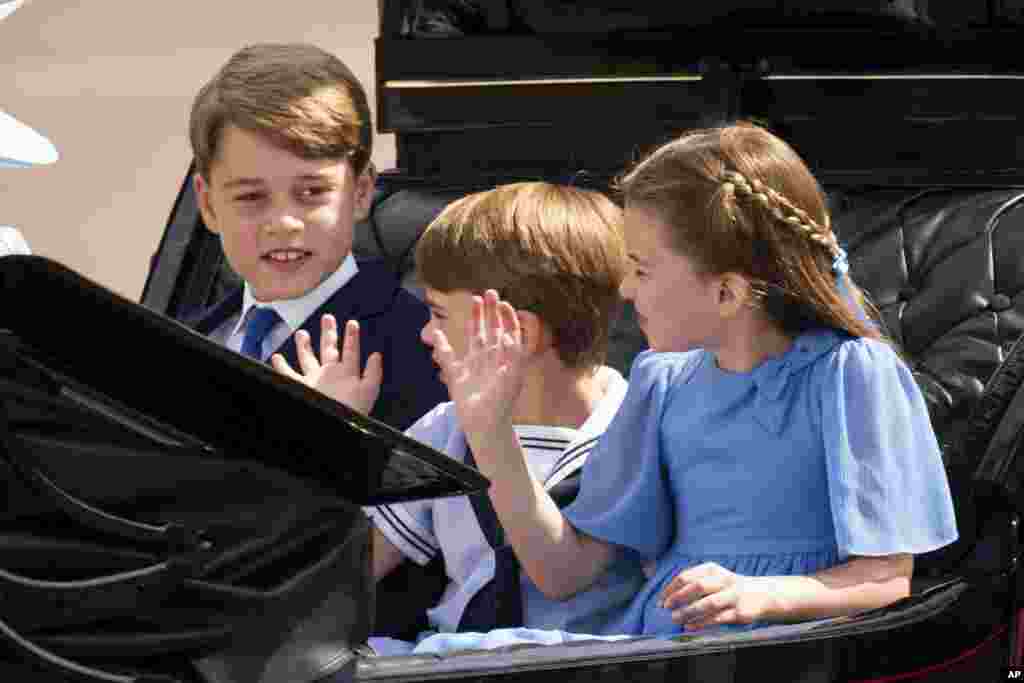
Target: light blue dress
(822, 453)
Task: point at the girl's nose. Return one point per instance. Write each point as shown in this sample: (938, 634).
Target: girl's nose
(427, 334)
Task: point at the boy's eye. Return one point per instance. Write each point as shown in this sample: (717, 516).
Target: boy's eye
(314, 192)
(437, 315)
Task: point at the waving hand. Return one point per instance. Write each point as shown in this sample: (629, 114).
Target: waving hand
(487, 380)
(336, 374)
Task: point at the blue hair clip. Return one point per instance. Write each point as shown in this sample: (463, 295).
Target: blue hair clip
(841, 263)
(841, 266)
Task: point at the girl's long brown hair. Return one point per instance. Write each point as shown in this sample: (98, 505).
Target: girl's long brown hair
(740, 200)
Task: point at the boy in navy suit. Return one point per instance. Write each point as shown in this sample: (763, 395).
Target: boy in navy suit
(282, 138)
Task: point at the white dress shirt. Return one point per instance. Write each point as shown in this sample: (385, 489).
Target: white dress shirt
(293, 312)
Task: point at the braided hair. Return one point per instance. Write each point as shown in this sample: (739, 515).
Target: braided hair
(785, 211)
(740, 200)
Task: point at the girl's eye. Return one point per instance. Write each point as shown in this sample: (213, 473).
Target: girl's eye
(437, 316)
(249, 197)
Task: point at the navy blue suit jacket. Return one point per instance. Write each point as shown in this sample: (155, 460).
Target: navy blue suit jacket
(390, 319)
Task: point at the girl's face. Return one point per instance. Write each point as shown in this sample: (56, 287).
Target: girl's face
(677, 308)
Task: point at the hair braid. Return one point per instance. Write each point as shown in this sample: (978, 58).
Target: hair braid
(782, 209)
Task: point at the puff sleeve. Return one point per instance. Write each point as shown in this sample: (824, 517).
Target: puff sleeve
(624, 493)
(887, 483)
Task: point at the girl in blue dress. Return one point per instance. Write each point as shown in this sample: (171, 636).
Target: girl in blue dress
(773, 459)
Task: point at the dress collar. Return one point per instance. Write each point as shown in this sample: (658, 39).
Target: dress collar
(772, 375)
(771, 378)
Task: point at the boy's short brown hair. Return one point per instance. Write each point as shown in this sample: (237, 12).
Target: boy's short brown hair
(554, 250)
(304, 98)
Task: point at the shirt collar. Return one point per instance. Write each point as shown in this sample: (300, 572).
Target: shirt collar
(295, 311)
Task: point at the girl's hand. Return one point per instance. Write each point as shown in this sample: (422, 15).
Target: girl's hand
(709, 594)
(487, 380)
(336, 374)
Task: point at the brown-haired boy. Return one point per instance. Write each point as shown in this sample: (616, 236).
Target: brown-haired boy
(557, 254)
(282, 138)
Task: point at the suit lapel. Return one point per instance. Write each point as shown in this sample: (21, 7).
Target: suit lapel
(215, 316)
(366, 294)
(341, 307)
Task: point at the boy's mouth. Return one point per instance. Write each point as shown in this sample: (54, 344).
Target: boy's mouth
(286, 255)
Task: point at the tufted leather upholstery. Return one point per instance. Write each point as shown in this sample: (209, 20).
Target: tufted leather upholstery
(946, 269)
(944, 266)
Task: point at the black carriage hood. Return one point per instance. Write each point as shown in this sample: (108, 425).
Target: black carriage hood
(157, 377)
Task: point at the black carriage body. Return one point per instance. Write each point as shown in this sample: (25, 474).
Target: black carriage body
(904, 110)
(174, 511)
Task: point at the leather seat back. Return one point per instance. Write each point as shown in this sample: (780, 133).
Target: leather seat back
(945, 267)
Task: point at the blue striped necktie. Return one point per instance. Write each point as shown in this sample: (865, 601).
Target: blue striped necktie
(261, 320)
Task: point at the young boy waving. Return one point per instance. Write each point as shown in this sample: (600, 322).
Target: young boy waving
(282, 137)
(558, 253)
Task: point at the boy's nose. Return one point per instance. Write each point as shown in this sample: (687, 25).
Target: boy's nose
(626, 288)
(284, 222)
(427, 334)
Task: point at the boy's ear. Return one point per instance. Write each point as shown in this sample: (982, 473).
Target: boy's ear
(365, 184)
(536, 337)
(202, 191)
(734, 294)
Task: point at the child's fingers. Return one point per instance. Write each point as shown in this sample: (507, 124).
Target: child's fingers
(476, 332)
(687, 583)
(350, 353)
(706, 609)
(304, 352)
(683, 578)
(443, 352)
(682, 594)
(727, 616)
(281, 365)
(374, 372)
(494, 324)
(328, 339)
(510, 322)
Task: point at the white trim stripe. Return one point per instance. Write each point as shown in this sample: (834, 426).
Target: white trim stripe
(407, 533)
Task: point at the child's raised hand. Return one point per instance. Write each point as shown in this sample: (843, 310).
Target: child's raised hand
(336, 374)
(709, 594)
(487, 380)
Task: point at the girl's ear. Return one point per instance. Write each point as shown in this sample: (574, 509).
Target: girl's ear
(536, 337)
(734, 294)
(202, 192)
